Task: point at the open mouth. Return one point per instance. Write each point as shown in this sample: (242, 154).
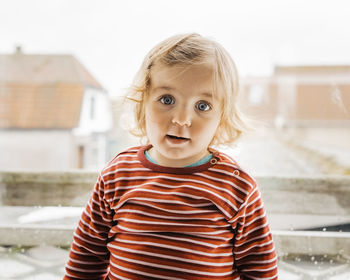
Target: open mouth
(177, 137)
(173, 139)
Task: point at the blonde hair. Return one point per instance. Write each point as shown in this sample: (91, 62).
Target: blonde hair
(190, 49)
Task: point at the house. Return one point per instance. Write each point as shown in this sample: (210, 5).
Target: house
(54, 114)
(314, 95)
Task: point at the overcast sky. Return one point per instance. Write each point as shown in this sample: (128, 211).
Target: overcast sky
(111, 37)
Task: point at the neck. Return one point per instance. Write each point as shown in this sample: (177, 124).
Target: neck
(180, 162)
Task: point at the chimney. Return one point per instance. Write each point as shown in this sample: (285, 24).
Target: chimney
(18, 49)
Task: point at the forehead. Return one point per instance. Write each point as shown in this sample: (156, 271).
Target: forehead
(199, 76)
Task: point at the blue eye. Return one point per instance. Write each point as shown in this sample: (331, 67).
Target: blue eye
(167, 100)
(203, 106)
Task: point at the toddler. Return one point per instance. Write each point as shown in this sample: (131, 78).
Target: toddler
(176, 208)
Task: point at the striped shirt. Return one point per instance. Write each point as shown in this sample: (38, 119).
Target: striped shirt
(146, 221)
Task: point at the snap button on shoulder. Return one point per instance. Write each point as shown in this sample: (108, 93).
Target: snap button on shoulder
(213, 161)
(236, 172)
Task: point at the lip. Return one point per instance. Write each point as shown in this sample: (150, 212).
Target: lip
(176, 140)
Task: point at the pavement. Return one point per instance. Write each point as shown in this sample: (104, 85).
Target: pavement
(47, 263)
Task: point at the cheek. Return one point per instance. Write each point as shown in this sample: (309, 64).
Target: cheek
(152, 114)
(155, 122)
(209, 128)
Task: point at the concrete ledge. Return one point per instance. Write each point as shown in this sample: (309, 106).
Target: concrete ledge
(290, 195)
(71, 188)
(317, 195)
(311, 242)
(283, 196)
(287, 242)
(33, 235)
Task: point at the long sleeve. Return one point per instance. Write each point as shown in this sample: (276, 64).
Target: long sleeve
(89, 257)
(254, 251)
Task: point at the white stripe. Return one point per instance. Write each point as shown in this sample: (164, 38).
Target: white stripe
(131, 169)
(169, 201)
(92, 228)
(246, 204)
(99, 207)
(166, 246)
(135, 230)
(173, 268)
(261, 206)
(92, 236)
(252, 230)
(135, 221)
(259, 245)
(118, 276)
(174, 211)
(89, 242)
(190, 240)
(79, 252)
(70, 275)
(93, 220)
(168, 217)
(196, 234)
(257, 253)
(238, 177)
(262, 261)
(92, 262)
(255, 219)
(232, 164)
(252, 239)
(116, 160)
(141, 273)
(264, 278)
(86, 270)
(225, 181)
(214, 263)
(141, 189)
(99, 214)
(246, 215)
(104, 210)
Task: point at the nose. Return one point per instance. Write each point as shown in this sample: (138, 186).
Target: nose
(182, 117)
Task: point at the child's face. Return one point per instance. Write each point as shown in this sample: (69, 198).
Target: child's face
(182, 114)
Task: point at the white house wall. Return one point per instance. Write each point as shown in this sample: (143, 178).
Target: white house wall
(45, 150)
(102, 120)
(92, 130)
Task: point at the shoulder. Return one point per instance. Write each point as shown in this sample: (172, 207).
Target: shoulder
(127, 158)
(229, 167)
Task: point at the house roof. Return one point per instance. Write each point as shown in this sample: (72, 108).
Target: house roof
(27, 106)
(313, 70)
(44, 69)
(42, 91)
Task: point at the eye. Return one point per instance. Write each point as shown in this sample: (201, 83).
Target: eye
(203, 106)
(167, 100)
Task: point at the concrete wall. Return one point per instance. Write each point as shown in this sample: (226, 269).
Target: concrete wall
(282, 195)
(307, 197)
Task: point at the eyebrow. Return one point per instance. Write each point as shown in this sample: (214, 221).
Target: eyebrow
(163, 88)
(206, 94)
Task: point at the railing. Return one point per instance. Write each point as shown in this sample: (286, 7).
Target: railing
(294, 206)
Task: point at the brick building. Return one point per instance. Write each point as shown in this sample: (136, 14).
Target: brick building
(53, 113)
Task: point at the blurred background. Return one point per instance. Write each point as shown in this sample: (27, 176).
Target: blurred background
(65, 65)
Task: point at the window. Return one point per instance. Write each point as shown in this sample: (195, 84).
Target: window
(92, 108)
(256, 95)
